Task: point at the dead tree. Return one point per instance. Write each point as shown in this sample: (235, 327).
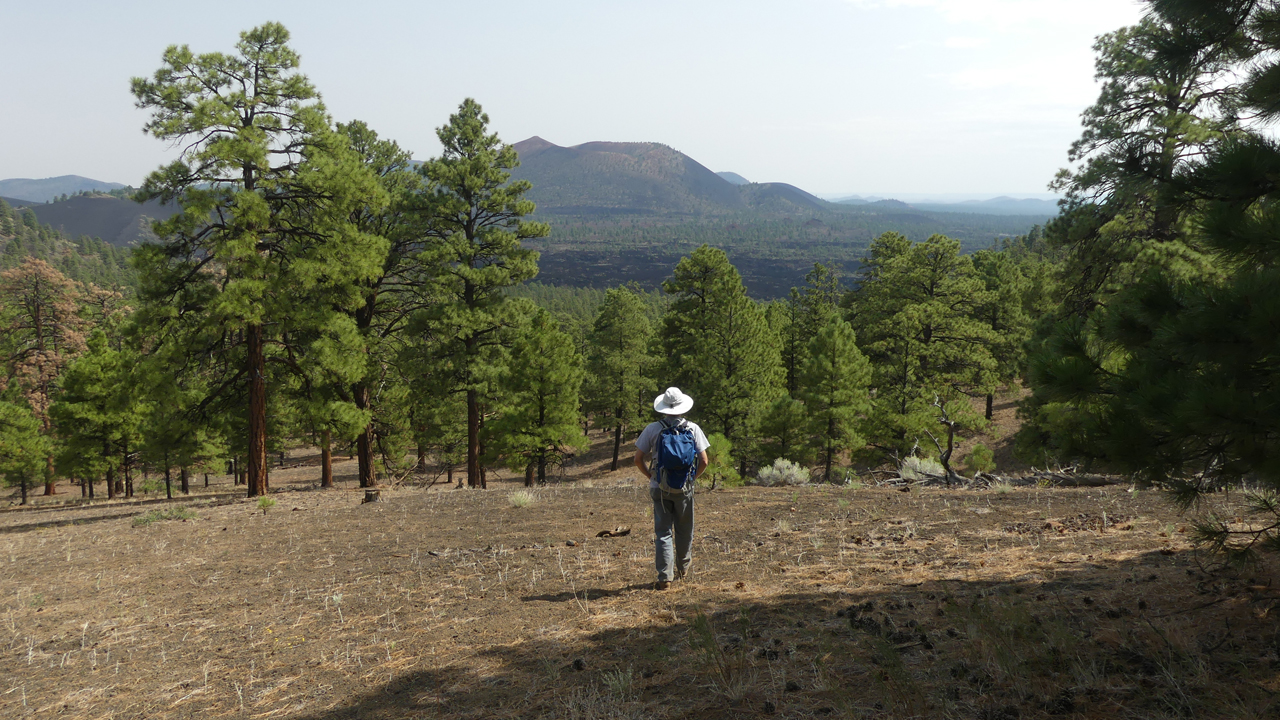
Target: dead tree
(944, 456)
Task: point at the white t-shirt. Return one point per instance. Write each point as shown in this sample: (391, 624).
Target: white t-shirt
(647, 443)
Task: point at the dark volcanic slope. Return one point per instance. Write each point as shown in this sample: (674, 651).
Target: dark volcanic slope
(118, 221)
(602, 178)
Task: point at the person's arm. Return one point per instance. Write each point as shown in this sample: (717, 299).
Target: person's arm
(702, 463)
(641, 464)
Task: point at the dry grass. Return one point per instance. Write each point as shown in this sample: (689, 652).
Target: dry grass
(809, 602)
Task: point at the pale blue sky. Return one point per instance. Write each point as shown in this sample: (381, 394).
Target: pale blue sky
(835, 96)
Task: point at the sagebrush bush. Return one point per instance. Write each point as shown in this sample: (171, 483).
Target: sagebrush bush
(782, 472)
(178, 513)
(914, 469)
(980, 460)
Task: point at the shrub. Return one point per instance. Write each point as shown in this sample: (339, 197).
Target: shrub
(980, 460)
(522, 498)
(178, 513)
(782, 472)
(914, 469)
(720, 471)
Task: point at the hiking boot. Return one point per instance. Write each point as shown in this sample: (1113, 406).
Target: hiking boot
(662, 585)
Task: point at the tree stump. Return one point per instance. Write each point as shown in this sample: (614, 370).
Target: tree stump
(372, 495)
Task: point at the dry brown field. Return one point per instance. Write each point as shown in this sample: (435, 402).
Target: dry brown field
(841, 602)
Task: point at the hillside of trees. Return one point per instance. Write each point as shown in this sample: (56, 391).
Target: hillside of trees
(84, 259)
(337, 293)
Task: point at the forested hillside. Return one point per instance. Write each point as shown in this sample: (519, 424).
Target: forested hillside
(773, 253)
(84, 259)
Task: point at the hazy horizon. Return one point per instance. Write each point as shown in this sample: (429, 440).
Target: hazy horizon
(980, 97)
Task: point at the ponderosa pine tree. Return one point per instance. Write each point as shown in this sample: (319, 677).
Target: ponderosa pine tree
(1123, 210)
(719, 348)
(833, 386)
(538, 421)
(391, 296)
(916, 316)
(783, 432)
(24, 447)
(474, 215)
(44, 330)
(807, 310)
(618, 387)
(1006, 313)
(264, 249)
(98, 413)
(1176, 378)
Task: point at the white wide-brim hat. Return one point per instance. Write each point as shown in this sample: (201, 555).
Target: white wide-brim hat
(673, 402)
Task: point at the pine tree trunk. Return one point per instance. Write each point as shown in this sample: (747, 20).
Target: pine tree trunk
(326, 459)
(617, 445)
(89, 482)
(421, 465)
(111, 483)
(542, 468)
(49, 469)
(990, 399)
(364, 443)
(257, 465)
(473, 439)
(24, 490)
(185, 476)
(168, 477)
(127, 467)
(84, 488)
(528, 475)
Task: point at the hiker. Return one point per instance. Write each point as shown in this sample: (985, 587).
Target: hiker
(677, 450)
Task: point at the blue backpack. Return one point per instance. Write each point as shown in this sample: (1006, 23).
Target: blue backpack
(677, 458)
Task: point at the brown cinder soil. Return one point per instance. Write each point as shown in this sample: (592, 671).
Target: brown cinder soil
(810, 602)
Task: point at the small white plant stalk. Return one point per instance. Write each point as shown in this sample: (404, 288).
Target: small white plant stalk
(522, 498)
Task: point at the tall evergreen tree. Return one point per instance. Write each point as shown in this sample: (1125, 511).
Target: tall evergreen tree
(719, 347)
(916, 315)
(265, 248)
(24, 447)
(809, 308)
(833, 385)
(389, 297)
(98, 413)
(1005, 311)
(538, 421)
(475, 223)
(1175, 378)
(44, 330)
(618, 387)
(784, 432)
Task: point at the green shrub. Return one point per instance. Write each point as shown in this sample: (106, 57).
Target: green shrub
(720, 471)
(178, 513)
(980, 460)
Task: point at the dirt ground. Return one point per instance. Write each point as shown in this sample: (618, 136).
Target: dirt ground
(856, 601)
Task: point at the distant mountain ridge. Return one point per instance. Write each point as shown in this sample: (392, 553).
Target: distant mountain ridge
(47, 189)
(615, 178)
(118, 221)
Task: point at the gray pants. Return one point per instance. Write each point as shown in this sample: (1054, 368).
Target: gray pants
(672, 516)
